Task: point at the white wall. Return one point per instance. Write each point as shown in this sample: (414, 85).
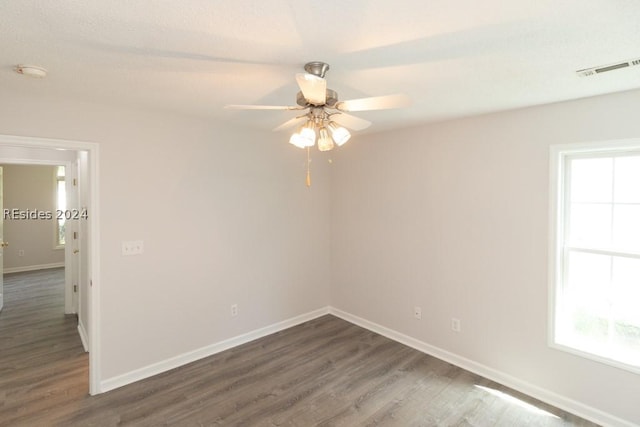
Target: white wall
(453, 217)
(30, 187)
(224, 216)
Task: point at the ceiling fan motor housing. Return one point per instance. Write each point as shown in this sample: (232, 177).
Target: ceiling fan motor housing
(331, 99)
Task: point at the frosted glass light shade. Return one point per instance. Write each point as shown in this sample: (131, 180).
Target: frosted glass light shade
(308, 135)
(339, 134)
(297, 140)
(305, 137)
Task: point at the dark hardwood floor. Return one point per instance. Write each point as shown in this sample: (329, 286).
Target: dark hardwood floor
(42, 363)
(326, 372)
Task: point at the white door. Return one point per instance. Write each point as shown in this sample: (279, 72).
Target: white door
(2, 246)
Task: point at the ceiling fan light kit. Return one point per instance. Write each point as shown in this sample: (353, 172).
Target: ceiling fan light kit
(326, 119)
(327, 133)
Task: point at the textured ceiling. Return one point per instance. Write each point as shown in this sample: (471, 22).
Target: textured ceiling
(453, 58)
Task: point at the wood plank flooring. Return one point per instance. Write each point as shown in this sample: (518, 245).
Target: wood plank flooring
(326, 372)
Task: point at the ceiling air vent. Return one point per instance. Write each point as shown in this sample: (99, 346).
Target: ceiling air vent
(587, 72)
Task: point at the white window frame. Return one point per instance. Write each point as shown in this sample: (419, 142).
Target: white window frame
(557, 226)
(56, 180)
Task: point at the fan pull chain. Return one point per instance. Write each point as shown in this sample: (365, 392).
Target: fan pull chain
(308, 167)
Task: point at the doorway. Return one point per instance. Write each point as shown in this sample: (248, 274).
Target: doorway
(81, 257)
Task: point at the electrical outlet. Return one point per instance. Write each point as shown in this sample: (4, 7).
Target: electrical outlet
(234, 310)
(455, 324)
(133, 247)
(417, 312)
(20, 252)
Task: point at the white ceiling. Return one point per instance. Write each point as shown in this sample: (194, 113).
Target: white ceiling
(453, 58)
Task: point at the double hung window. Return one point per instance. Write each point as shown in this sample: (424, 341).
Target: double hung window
(595, 283)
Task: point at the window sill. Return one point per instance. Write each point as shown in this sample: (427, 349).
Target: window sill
(595, 357)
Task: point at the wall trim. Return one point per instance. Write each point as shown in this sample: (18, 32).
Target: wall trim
(209, 350)
(33, 267)
(547, 396)
(83, 337)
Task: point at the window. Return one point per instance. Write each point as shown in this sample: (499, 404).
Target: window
(596, 263)
(61, 205)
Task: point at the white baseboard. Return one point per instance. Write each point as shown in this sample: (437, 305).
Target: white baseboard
(559, 401)
(529, 389)
(32, 267)
(192, 356)
(83, 336)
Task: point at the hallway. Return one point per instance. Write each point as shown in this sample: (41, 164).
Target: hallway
(42, 362)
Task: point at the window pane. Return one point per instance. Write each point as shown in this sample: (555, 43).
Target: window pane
(626, 228)
(590, 225)
(627, 179)
(588, 282)
(626, 290)
(61, 229)
(61, 203)
(62, 196)
(592, 180)
(626, 315)
(586, 305)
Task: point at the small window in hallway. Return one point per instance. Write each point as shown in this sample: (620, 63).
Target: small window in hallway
(61, 205)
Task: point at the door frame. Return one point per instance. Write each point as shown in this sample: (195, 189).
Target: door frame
(17, 149)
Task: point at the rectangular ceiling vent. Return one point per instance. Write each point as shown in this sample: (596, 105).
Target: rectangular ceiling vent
(587, 72)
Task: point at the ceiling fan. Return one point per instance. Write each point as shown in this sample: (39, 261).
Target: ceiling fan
(325, 117)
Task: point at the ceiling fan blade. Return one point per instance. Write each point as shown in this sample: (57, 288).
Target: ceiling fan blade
(291, 123)
(398, 100)
(351, 122)
(260, 107)
(313, 88)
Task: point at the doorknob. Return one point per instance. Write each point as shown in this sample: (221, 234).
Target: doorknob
(75, 251)
(4, 244)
